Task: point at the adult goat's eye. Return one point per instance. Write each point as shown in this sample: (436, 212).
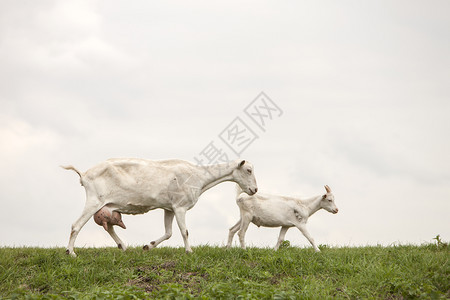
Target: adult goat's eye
(249, 171)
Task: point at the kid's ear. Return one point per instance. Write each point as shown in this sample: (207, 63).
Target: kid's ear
(241, 164)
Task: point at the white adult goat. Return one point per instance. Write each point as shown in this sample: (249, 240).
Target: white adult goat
(135, 186)
(274, 211)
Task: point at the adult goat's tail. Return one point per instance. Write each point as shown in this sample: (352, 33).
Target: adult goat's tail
(73, 169)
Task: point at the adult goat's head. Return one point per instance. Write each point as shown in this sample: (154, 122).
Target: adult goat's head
(245, 177)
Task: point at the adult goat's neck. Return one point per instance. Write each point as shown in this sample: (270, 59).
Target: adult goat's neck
(215, 174)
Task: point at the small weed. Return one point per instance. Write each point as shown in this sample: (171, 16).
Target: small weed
(439, 243)
(285, 244)
(323, 247)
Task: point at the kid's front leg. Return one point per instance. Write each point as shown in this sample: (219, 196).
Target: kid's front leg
(305, 232)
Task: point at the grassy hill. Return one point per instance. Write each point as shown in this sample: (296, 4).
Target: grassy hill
(396, 272)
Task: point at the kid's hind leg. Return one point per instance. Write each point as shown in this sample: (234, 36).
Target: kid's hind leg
(245, 221)
(232, 232)
(283, 231)
(92, 206)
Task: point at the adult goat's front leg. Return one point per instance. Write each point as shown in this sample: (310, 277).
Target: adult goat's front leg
(168, 220)
(180, 215)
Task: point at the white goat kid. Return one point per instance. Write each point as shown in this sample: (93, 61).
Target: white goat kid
(274, 211)
(136, 186)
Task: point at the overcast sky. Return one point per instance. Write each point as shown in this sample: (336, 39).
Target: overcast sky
(362, 90)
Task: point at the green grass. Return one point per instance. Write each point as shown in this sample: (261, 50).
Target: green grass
(396, 272)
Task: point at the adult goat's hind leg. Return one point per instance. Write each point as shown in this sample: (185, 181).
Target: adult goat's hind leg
(168, 220)
(113, 234)
(232, 232)
(91, 207)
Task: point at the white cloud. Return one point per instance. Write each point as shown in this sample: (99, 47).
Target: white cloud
(18, 138)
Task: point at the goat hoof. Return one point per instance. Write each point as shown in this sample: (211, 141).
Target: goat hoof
(146, 248)
(151, 246)
(120, 246)
(71, 253)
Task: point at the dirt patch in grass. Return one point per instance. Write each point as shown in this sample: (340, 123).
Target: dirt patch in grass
(150, 278)
(275, 280)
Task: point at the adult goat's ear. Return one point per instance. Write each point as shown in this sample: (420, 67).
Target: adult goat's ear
(241, 164)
